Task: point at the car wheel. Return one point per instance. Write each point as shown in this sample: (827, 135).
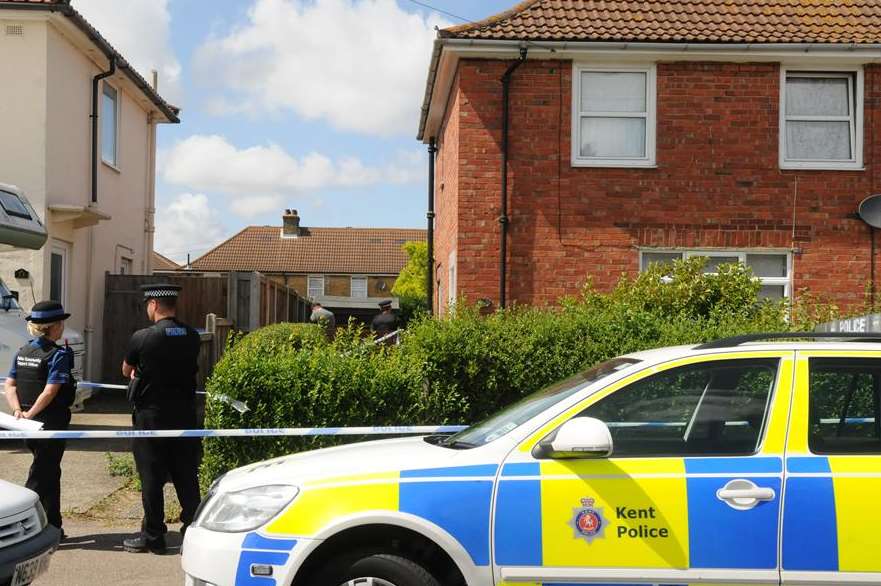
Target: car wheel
(377, 570)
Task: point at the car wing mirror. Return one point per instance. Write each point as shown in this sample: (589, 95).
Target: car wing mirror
(580, 437)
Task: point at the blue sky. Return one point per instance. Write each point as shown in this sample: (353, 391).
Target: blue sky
(306, 104)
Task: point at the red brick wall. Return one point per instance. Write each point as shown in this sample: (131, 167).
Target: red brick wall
(446, 197)
(717, 184)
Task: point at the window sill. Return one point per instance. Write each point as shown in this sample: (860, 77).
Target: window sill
(793, 166)
(616, 164)
(111, 166)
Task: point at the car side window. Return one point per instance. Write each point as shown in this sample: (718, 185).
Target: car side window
(845, 406)
(709, 408)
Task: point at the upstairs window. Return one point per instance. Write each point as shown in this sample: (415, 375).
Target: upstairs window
(613, 117)
(822, 119)
(109, 125)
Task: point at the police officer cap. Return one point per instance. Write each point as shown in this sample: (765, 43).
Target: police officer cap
(160, 291)
(385, 303)
(47, 312)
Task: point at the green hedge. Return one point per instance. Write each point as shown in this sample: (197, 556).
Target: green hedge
(460, 369)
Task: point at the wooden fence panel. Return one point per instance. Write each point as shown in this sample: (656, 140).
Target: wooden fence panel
(124, 311)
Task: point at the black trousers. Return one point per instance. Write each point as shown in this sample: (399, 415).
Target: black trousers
(44, 477)
(160, 459)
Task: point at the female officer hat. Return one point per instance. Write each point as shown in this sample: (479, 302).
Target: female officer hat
(47, 312)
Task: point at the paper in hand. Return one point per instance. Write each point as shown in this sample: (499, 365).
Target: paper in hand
(11, 423)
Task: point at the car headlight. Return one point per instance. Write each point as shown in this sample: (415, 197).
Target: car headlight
(41, 515)
(244, 510)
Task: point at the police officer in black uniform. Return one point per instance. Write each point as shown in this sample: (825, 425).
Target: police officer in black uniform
(41, 387)
(161, 363)
(385, 322)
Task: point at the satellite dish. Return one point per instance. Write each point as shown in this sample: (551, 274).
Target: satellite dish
(870, 210)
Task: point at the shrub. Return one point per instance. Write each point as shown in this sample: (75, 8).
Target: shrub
(465, 367)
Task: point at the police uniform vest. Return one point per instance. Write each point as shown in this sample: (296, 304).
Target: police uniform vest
(167, 364)
(31, 374)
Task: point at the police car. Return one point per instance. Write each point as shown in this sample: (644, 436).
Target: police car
(736, 461)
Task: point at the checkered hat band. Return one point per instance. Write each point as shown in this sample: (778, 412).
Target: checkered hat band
(160, 293)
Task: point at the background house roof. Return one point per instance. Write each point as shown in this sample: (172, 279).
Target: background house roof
(316, 250)
(709, 21)
(64, 7)
(163, 263)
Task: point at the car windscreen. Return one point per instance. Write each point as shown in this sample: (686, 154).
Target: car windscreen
(13, 205)
(522, 411)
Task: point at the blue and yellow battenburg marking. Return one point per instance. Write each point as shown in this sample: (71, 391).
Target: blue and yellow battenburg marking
(635, 513)
(260, 550)
(456, 499)
(832, 514)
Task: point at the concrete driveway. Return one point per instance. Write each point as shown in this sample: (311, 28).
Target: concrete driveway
(93, 552)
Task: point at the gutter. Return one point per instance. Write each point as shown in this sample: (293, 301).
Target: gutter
(550, 47)
(503, 215)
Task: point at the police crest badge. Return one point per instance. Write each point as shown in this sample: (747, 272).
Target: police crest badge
(588, 520)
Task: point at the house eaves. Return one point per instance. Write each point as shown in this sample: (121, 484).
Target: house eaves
(64, 8)
(761, 30)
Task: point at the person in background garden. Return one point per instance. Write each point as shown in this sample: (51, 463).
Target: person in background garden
(40, 386)
(324, 318)
(385, 322)
(162, 361)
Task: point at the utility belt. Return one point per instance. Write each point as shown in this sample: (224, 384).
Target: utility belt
(144, 392)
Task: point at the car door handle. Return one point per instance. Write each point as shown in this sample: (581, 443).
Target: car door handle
(743, 495)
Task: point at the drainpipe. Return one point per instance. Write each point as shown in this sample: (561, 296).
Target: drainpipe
(89, 331)
(432, 150)
(94, 118)
(503, 217)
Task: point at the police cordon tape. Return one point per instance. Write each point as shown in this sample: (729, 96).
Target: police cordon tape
(234, 403)
(245, 432)
(256, 432)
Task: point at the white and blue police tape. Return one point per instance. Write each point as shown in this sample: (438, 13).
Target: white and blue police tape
(256, 432)
(234, 403)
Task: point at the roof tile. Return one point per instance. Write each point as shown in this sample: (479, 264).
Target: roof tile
(316, 250)
(163, 263)
(724, 21)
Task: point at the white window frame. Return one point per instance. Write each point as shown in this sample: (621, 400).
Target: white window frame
(314, 278)
(62, 249)
(114, 164)
(740, 253)
(856, 102)
(360, 278)
(651, 99)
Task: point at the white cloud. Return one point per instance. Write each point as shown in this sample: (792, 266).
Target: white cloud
(141, 32)
(359, 64)
(189, 224)
(258, 176)
(248, 207)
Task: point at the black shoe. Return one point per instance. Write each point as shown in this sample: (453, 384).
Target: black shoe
(141, 544)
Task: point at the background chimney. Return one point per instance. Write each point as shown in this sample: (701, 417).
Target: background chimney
(290, 224)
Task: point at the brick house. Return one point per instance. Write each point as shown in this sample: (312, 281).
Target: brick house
(641, 131)
(347, 270)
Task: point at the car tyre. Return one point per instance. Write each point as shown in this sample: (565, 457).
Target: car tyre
(376, 569)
